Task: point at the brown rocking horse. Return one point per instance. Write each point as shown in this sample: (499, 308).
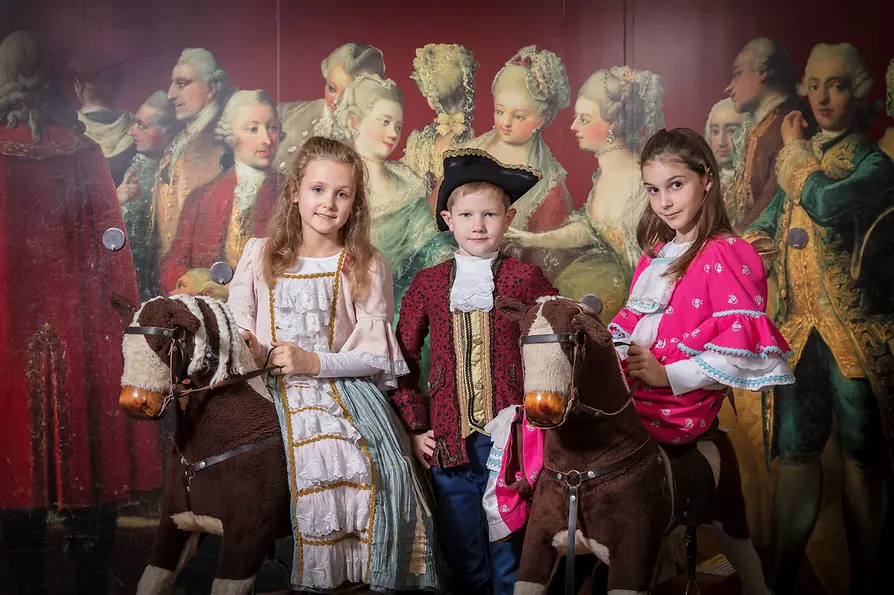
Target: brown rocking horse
(226, 473)
(606, 487)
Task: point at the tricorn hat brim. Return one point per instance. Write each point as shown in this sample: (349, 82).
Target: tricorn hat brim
(464, 166)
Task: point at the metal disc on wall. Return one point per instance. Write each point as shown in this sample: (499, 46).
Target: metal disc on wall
(593, 302)
(221, 273)
(796, 238)
(114, 239)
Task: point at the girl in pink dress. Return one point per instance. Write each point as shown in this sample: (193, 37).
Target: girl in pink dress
(696, 318)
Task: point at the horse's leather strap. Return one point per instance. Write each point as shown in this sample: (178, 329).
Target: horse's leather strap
(573, 481)
(227, 382)
(192, 469)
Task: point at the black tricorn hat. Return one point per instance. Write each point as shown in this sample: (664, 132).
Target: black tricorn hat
(464, 166)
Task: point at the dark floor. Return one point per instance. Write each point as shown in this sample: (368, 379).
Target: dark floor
(69, 560)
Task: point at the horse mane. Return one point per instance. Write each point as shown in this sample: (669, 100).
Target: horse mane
(232, 354)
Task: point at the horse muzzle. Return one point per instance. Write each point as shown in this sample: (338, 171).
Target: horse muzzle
(141, 404)
(545, 409)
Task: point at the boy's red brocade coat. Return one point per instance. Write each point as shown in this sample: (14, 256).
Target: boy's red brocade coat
(425, 310)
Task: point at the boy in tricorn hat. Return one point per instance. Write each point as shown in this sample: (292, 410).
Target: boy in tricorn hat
(476, 366)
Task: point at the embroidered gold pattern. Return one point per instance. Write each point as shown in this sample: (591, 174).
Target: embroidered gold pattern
(862, 345)
(474, 383)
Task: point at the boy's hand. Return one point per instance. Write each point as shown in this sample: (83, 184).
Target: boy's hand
(641, 363)
(424, 446)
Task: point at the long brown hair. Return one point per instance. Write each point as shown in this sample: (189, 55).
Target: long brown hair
(285, 231)
(688, 148)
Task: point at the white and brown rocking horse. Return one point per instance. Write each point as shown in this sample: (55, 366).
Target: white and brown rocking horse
(226, 473)
(606, 486)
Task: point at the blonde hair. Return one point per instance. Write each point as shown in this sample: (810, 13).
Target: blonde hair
(544, 79)
(445, 74)
(285, 233)
(630, 99)
(360, 98)
(472, 187)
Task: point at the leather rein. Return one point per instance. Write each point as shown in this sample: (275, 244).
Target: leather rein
(573, 479)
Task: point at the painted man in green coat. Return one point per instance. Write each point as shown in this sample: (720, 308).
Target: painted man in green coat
(815, 237)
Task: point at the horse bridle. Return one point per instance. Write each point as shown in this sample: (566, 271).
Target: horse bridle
(578, 342)
(176, 359)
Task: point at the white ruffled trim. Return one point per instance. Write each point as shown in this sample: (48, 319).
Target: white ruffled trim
(473, 286)
(299, 294)
(744, 372)
(498, 429)
(652, 291)
(344, 509)
(330, 566)
(392, 369)
(303, 312)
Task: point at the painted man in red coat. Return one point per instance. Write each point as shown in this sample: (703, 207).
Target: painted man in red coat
(67, 447)
(220, 217)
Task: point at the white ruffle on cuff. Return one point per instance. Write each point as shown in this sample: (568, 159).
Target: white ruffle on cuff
(737, 371)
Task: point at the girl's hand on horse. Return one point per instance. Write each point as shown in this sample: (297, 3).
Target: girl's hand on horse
(424, 446)
(294, 360)
(253, 344)
(641, 363)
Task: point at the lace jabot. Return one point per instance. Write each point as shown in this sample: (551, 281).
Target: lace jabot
(473, 287)
(248, 182)
(653, 290)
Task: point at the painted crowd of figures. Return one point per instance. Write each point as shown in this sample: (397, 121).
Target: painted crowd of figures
(198, 170)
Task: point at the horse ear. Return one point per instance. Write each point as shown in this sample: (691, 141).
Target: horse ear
(510, 308)
(181, 317)
(594, 328)
(123, 306)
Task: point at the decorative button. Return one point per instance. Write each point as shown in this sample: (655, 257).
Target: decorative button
(796, 238)
(202, 465)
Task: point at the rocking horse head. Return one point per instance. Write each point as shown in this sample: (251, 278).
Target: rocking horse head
(569, 360)
(173, 345)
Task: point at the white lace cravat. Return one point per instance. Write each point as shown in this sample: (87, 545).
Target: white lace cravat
(473, 287)
(248, 182)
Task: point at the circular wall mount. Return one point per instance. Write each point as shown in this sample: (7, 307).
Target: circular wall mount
(221, 273)
(114, 239)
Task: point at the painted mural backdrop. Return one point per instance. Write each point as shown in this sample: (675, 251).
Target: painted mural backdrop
(177, 122)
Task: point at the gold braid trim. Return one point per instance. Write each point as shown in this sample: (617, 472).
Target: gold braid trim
(334, 486)
(337, 540)
(794, 164)
(486, 155)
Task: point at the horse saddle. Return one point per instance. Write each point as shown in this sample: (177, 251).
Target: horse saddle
(695, 491)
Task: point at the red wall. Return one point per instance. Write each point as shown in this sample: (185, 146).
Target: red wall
(278, 44)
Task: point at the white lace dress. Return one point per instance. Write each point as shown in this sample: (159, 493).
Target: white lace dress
(359, 509)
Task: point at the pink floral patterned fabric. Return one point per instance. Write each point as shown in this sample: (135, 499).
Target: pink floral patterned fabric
(510, 486)
(715, 316)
